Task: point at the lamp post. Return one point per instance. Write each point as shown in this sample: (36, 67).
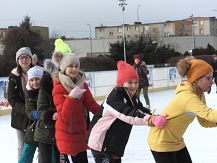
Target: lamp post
(138, 12)
(122, 4)
(155, 52)
(193, 34)
(91, 49)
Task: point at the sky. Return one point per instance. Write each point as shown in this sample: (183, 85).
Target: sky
(70, 17)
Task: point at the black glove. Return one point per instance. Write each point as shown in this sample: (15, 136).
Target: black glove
(48, 115)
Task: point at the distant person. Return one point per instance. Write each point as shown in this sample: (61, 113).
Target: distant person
(167, 144)
(142, 71)
(61, 46)
(111, 126)
(213, 63)
(5, 88)
(34, 59)
(32, 88)
(16, 93)
(73, 100)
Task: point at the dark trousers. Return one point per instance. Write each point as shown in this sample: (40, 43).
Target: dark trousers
(99, 157)
(79, 158)
(48, 153)
(145, 94)
(181, 156)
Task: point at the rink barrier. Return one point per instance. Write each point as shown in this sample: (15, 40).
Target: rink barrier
(101, 83)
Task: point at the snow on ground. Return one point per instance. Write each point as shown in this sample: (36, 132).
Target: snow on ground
(201, 142)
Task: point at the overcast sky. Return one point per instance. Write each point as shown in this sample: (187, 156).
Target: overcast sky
(70, 17)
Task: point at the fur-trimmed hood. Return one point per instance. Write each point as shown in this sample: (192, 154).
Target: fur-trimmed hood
(46, 83)
(14, 71)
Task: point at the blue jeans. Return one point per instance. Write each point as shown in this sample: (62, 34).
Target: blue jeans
(27, 153)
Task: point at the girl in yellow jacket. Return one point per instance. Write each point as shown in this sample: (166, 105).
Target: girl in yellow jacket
(167, 145)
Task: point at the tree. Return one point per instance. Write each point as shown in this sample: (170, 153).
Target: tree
(22, 37)
(26, 23)
(150, 52)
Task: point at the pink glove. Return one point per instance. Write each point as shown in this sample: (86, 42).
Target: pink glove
(159, 121)
(76, 92)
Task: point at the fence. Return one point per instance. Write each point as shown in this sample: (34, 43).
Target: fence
(101, 82)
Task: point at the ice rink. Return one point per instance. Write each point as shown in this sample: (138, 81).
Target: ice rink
(201, 142)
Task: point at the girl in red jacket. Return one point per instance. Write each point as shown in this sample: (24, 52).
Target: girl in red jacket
(72, 99)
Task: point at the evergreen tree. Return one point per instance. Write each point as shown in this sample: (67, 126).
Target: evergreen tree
(22, 37)
(151, 52)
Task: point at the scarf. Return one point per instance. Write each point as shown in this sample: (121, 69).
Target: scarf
(67, 82)
(137, 65)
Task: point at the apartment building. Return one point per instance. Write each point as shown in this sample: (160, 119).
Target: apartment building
(42, 31)
(185, 27)
(116, 32)
(204, 25)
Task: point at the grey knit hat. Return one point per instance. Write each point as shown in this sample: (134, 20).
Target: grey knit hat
(67, 60)
(34, 56)
(23, 51)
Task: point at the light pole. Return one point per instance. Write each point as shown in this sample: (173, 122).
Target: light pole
(91, 49)
(155, 52)
(122, 4)
(193, 34)
(138, 12)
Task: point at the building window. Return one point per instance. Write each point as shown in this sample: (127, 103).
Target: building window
(167, 34)
(147, 35)
(111, 33)
(136, 28)
(146, 28)
(101, 30)
(201, 22)
(182, 26)
(119, 30)
(201, 31)
(155, 29)
(128, 28)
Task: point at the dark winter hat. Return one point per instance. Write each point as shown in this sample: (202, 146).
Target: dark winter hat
(23, 51)
(67, 60)
(125, 73)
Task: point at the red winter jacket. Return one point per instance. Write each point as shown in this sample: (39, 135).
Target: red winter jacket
(71, 127)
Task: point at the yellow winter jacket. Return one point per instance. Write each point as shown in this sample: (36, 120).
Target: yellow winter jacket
(182, 109)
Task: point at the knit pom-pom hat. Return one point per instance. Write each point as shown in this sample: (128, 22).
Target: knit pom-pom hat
(68, 60)
(125, 73)
(193, 69)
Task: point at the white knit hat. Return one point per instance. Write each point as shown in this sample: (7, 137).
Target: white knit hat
(24, 51)
(35, 72)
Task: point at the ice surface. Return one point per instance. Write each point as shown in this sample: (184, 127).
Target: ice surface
(201, 142)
